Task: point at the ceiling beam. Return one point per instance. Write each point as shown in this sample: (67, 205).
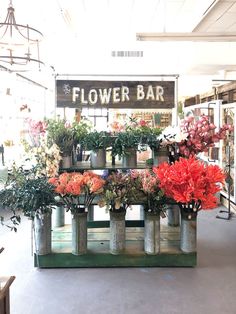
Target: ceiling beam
(204, 37)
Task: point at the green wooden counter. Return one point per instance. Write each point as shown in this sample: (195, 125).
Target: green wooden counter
(98, 254)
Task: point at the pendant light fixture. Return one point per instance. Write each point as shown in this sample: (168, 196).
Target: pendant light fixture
(19, 44)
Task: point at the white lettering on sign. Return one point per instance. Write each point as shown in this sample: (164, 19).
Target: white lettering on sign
(105, 95)
(140, 92)
(152, 93)
(82, 99)
(124, 93)
(75, 93)
(116, 94)
(92, 96)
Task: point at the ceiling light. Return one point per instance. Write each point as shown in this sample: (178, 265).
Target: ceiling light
(204, 37)
(19, 44)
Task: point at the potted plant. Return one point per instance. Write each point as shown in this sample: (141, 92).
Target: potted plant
(133, 137)
(80, 131)
(77, 191)
(193, 185)
(61, 133)
(145, 132)
(125, 146)
(34, 196)
(154, 201)
(119, 191)
(97, 142)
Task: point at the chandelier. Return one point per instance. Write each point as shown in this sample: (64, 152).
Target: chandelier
(19, 44)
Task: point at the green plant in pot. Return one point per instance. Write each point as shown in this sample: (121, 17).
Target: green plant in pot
(144, 131)
(33, 197)
(97, 142)
(124, 143)
(125, 146)
(61, 133)
(80, 130)
(31, 194)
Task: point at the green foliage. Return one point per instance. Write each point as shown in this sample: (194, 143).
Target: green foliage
(60, 133)
(80, 130)
(153, 142)
(28, 193)
(124, 140)
(96, 140)
(136, 134)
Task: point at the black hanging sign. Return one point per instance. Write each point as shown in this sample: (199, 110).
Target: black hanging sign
(115, 94)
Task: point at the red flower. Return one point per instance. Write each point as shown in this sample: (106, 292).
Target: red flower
(189, 180)
(143, 123)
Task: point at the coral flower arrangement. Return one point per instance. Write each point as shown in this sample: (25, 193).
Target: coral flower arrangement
(190, 182)
(77, 190)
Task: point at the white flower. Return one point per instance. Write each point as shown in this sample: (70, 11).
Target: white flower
(172, 134)
(45, 157)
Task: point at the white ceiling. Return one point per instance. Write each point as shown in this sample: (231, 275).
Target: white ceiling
(80, 36)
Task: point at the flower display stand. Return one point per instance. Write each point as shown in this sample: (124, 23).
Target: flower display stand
(98, 252)
(98, 242)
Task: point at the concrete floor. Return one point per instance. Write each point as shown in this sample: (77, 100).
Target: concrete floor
(208, 288)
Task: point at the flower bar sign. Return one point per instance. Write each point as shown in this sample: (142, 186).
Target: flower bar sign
(115, 94)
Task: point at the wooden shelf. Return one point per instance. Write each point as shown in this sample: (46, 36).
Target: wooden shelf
(98, 254)
(85, 165)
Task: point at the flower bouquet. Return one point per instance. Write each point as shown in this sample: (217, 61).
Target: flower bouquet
(77, 190)
(200, 135)
(119, 191)
(117, 197)
(147, 186)
(147, 183)
(191, 183)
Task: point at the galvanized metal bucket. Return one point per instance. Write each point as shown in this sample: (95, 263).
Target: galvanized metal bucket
(188, 235)
(66, 162)
(129, 160)
(117, 232)
(152, 233)
(173, 215)
(98, 158)
(160, 155)
(79, 233)
(42, 234)
(58, 216)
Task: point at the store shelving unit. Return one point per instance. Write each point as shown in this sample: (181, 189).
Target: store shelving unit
(98, 254)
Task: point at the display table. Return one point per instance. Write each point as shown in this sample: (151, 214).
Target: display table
(98, 254)
(5, 283)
